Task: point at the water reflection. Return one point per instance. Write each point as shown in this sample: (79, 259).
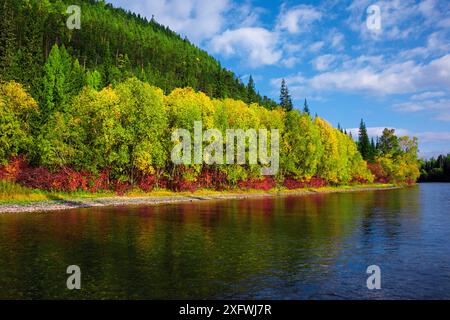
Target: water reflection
(283, 248)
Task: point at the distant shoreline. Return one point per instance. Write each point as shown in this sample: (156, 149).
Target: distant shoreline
(173, 198)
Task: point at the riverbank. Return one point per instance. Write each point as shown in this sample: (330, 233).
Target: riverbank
(42, 202)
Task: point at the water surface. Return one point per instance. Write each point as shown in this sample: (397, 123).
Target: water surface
(297, 247)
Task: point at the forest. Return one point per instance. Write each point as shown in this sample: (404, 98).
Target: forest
(94, 110)
(112, 45)
(436, 169)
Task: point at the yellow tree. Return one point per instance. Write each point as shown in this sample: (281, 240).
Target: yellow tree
(17, 107)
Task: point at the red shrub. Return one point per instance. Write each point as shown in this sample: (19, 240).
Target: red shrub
(147, 183)
(378, 172)
(100, 182)
(292, 183)
(120, 187)
(12, 169)
(212, 179)
(358, 180)
(314, 182)
(265, 184)
(179, 183)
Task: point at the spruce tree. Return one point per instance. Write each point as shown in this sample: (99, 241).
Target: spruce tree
(56, 83)
(7, 40)
(373, 150)
(363, 141)
(251, 92)
(285, 97)
(306, 108)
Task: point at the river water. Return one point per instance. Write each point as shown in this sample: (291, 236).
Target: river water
(295, 247)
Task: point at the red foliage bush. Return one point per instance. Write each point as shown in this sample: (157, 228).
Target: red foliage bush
(314, 182)
(179, 183)
(100, 182)
(212, 179)
(11, 170)
(358, 180)
(147, 183)
(265, 184)
(66, 179)
(120, 187)
(69, 180)
(379, 175)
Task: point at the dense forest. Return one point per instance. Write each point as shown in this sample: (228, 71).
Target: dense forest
(111, 46)
(436, 169)
(94, 109)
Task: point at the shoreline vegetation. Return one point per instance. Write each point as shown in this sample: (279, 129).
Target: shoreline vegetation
(95, 112)
(40, 201)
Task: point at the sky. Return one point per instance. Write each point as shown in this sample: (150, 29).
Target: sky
(387, 62)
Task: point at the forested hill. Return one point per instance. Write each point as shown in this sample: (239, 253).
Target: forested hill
(111, 46)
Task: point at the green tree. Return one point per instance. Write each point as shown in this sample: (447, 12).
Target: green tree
(306, 108)
(363, 141)
(16, 109)
(7, 40)
(302, 148)
(388, 143)
(328, 166)
(285, 97)
(56, 81)
(94, 79)
(251, 92)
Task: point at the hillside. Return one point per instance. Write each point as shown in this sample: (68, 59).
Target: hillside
(115, 43)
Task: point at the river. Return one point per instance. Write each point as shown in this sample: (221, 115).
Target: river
(292, 247)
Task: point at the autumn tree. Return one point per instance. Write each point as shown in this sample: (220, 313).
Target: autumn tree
(16, 109)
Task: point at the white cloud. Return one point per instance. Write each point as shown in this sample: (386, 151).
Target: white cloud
(428, 95)
(291, 80)
(374, 132)
(322, 63)
(290, 62)
(400, 19)
(439, 108)
(258, 44)
(437, 44)
(395, 78)
(298, 19)
(337, 40)
(433, 136)
(316, 46)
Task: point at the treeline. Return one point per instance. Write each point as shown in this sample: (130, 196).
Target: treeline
(436, 169)
(120, 136)
(390, 158)
(111, 46)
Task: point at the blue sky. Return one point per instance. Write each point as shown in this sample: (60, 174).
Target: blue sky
(396, 74)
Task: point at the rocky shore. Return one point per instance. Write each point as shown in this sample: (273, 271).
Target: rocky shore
(64, 204)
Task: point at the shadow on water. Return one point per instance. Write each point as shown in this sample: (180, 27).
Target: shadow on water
(283, 248)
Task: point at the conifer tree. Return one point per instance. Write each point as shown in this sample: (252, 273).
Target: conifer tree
(7, 40)
(373, 149)
(363, 141)
(285, 97)
(251, 92)
(306, 107)
(56, 81)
